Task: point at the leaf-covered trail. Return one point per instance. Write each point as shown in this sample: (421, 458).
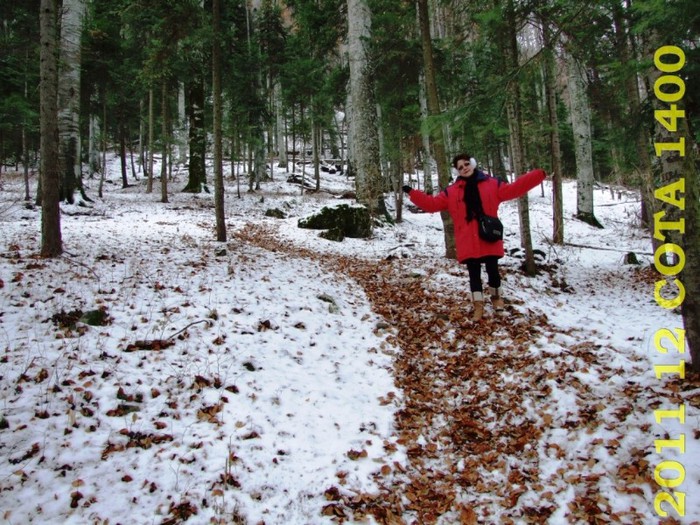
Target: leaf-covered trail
(486, 415)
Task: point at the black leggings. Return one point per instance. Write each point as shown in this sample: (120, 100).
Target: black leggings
(474, 268)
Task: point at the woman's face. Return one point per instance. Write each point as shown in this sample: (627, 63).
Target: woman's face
(464, 168)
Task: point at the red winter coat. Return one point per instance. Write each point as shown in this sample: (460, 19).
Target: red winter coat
(493, 192)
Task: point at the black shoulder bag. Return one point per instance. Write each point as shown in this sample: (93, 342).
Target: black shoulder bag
(490, 228)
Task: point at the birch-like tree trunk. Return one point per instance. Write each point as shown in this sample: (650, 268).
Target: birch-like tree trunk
(580, 110)
(364, 136)
(50, 176)
(94, 144)
(72, 16)
(280, 126)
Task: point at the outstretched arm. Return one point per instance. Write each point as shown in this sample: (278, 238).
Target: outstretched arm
(521, 185)
(429, 203)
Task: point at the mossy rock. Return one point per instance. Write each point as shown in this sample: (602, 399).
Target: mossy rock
(275, 213)
(334, 234)
(350, 221)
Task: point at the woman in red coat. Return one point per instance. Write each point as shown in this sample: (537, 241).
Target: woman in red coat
(472, 194)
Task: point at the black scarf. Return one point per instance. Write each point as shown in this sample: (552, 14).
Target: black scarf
(472, 199)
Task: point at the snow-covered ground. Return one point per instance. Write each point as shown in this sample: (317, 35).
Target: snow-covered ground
(229, 383)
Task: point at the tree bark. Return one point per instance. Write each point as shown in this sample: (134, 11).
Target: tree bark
(433, 103)
(690, 310)
(365, 139)
(640, 132)
(51, 243)
(581, 124)
(151, 138)
(72, 15)
(554, 142)
(197, 136)
(515, 126)
(218, 116)
(166, 142)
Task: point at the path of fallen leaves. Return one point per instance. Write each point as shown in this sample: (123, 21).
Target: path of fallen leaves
(478, 400)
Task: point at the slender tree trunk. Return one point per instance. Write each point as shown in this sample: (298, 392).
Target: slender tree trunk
(197, 136)
(122, 153)
(151, 138)
(316, 131)
(51, 242)
(25, 146)
(280, 127)
(515, 126)
(166, 143)
(581, 123)
(438, 133)
(142, 139)
(94, 144)
(181, 126)
(72, 15)
(425, 138)
(641, 138)
(103, 166)
(365, 139)
(218, 115)
(554, 142)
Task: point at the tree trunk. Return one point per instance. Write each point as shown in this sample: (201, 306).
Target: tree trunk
(122, 154)
(280, 127)
(581, 124)
(94, 144)
(197, 135)
(103, 164)
(166, 142)
(640, 132)
(677, 221)
(691, 242)
(364, 140)
(151, 138)
(515, 126)
(218, 115)
(315, 145)
(25, 146)
(690, 309)
(433, 111)
(181, 126)
(51, 243)
(425, 138)
(554, 142)
(72, 15)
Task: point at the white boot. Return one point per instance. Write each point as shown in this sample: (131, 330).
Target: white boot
(478, 299)
(497, 299)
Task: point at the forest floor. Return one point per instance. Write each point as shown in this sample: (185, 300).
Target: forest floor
(478, 399)
(284, 379)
